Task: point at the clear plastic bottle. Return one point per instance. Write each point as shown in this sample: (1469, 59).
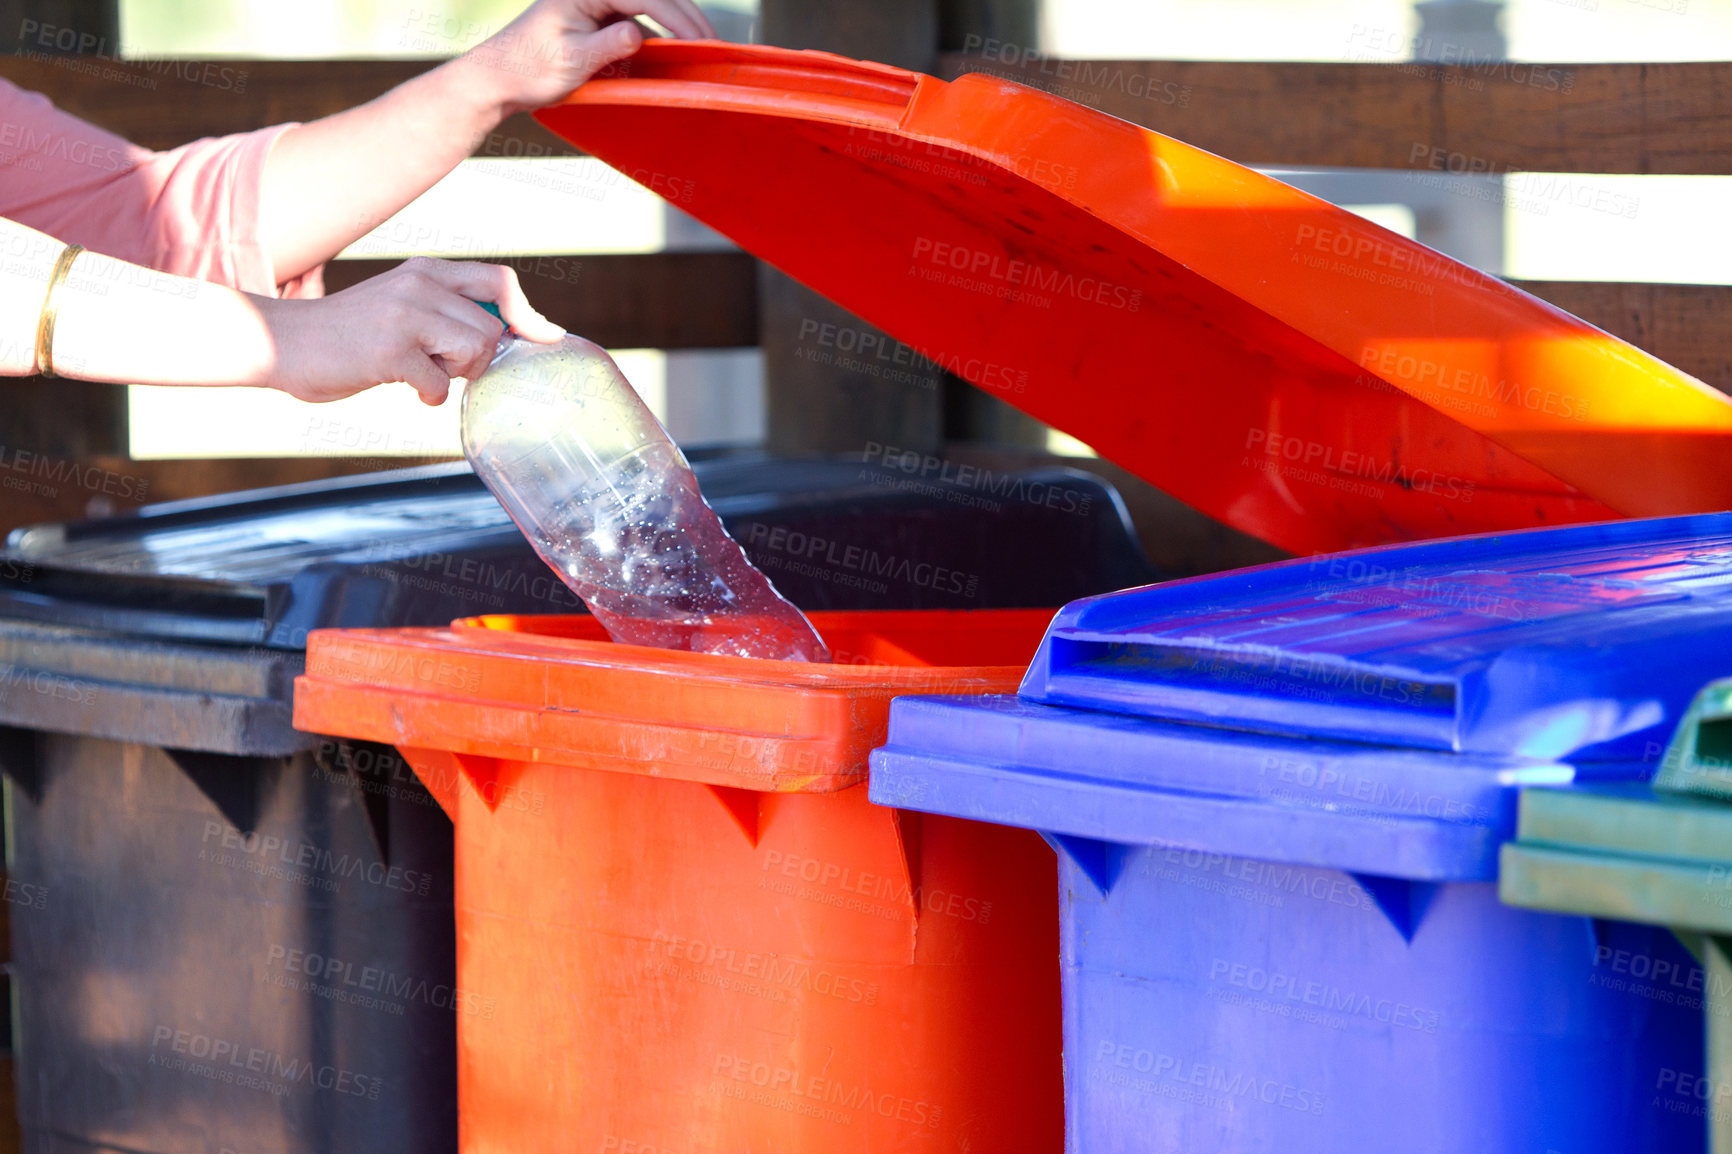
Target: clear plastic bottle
(608, 500)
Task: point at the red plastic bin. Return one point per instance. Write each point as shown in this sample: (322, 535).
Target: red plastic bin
(694, 932)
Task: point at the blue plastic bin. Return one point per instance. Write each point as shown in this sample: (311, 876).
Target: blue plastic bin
(1279, 796)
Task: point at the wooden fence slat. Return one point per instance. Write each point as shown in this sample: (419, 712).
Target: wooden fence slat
(1496, 116)
(72, 488)
(704, 300)
(659, 300)
(165, 103)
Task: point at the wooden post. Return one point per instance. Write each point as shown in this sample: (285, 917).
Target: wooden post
(61, 27)
(1471, 226)
(814, 406)
(971, 414)
(966, 25)
(61, 418)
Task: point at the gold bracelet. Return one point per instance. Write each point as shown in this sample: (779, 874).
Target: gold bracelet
(51, 307)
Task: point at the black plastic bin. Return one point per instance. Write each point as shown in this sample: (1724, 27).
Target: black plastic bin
(239, 937)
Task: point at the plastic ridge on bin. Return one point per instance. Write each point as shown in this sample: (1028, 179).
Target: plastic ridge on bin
(1273, 360)
(1280, 796)
(172, 694)
(695, 927)
(1094, 778)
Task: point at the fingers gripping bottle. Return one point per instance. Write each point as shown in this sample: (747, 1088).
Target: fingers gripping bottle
(608, 500)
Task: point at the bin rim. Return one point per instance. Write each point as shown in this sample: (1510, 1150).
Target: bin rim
(1631, 852)
(1098, 782)
(477, 690)
(581, 639)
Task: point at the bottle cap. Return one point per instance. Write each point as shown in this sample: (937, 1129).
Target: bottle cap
(493, 308)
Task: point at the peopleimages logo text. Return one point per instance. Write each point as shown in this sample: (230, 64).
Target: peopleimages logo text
(336, 975)
(1332, 999)
(841, 556)
(1347, 462)
(59, 471)
(868, 347)
(1015, 274)
(306, 855)
(1008, 486)
(488, 577)
(227, 1060)
(1431, 376)
(827, 1090)
(1232, 1085)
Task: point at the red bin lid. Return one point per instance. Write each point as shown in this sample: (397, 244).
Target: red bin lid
(1277, 362)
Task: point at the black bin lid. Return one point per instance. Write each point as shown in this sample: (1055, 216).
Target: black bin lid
(182, 625)
(423, 546)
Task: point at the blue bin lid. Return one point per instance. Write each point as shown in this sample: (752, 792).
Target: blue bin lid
(1585, 642)
(1373, 712)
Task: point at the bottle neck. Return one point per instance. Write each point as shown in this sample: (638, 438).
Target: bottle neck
(507, 336)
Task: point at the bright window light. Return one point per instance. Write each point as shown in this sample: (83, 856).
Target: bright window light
(1394, 217)
(549, 205)
(1618, 228)
(1064, 445)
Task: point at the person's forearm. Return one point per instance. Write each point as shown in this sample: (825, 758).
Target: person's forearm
(330, 182)
(122, 323)
(29, 258)
(119, 322)
(113, 321)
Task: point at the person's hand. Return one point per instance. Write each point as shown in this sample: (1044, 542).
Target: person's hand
(417, 323)
(556, 45)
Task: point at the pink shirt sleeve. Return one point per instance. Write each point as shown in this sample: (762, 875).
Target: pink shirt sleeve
(192, 210)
